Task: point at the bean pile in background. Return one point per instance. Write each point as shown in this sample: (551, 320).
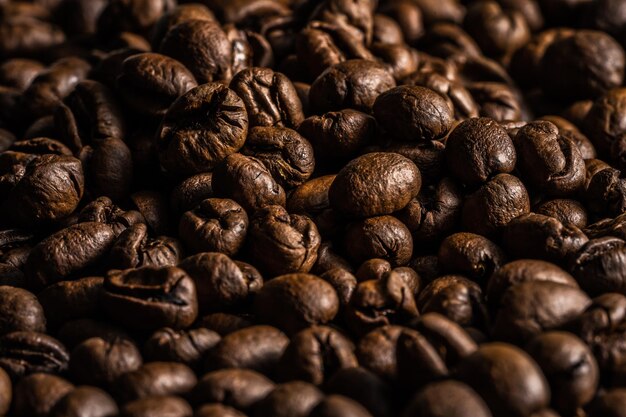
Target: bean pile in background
(312, 208)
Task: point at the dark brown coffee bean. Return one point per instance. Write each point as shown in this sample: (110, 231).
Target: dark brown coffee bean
(36, 395)
(351, 84)
(497, 371)
(455, 297)
(532, 307)
(258, 348)
(478, 149)
(337, 405)
(184, 346)
(157, 406)
(202, 46)
(415, 114)
(569, 367)
(294, 301)
(598, 266)
(179, 14)
(315, 354)
(374, 303)
(247, 181)
(270, 98)
(221, 282)
(23, 353)
(291, 399)
(19, 72)
(134, 249)
(215, 225)
(524, 270)
(191, 192)
(67, 252)
(281, 243)
(494, 205)
(566, 211)
(338, 135)
(383, 237)
(149, 83)
(287, 155)
(472, 255)
(598, 65)
(447, 398)
(85, 401)
(68, 300)
(201, 128)
(97, 361)
(541, 237)
(217, 410)
(49, 189)
(155, 379)
(150, 297)
(237, 388)
(21, 311)
(375, 184)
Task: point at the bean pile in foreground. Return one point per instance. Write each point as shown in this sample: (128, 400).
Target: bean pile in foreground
(312, 208)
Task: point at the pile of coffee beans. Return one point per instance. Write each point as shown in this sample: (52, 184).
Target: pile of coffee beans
(312, 208)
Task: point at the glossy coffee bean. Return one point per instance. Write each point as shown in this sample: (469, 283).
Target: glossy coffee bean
(365, 187)
(184, 346)
(189, 142)
(291, 399)
(155, 379)
(21, 311)
(447, 398)
(294, 301)
(37, 394)
(150, 297)
(85, 401)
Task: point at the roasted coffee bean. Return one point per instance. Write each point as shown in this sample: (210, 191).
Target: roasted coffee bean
(598, 266)
(19, 72)
(68, 300)
(149, 82)
(281, 243)
(37, 394)
(338, 135)
(179, 14)
(49, 189)
(541, 237)
(134, 249)
(294, 301)
(215, 225)
(291, 399)
(315, 355)
(497, 371)
(598, 66)
(551, 162)
(478, 149)
(380, 302)
(311, 197)
(566, 211)
(137, 15)
(472, 255)
(85, 401)
(258, 348)
(67, 252)
(364, 387)
(569, 366)
(383, 237)
(455, 297)
(185, 346)
(202, 46)
(524, 270)
(532, 307)
(287, 155)
(201, 128)
(337, 405)
(150, 406)
(155, 379)
(247, 181)
(447, 398)
(217, 410)
(270, 98)
(351, 84)
(375, 184)
(100, 362)
(237, 388)
(494, 205)
(191, 192)
(420, 113)
(21, 311)
(26, 352)
(220, 281)
(150, 297)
